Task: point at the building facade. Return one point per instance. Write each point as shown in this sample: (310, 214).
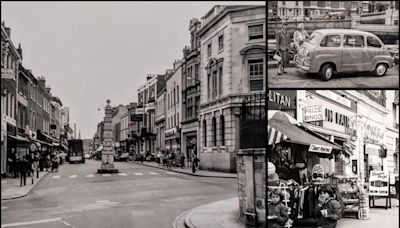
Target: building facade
(173, 114)
(147, 98)
(232, 68)
(191, 93)
(160, 120)
(10, 60)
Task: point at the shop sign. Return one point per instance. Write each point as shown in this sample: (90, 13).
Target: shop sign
(378, 183)
(33, 147)
(335, 97)
(170, 132)
(320, 149)
(372, 132)
(318, 173)
(314, 113)
(282, 100)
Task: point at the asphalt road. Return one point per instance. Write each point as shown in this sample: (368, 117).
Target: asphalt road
(295, 78)
(138, 197)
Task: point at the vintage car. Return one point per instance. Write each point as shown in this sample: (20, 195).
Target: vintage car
(343, 50)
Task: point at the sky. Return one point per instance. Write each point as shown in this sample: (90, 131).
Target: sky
(93, 51)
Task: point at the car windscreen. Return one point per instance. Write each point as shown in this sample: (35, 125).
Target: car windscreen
(315, 36)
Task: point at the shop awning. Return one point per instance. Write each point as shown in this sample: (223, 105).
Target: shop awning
(49, 137)
(300, 135)
(275, 136)
(56, 144)
(42, 143)
(19, 138)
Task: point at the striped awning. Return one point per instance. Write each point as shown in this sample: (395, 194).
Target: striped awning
(275, 136)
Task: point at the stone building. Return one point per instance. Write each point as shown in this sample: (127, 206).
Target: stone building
(191, 92)
(173, 114)
(160, 119)
(232, 68)
(10, 59)
(146, 107)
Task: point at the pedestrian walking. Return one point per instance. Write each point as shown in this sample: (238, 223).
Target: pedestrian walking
(329, 211)
(282, 46)
(194, 163)
(182, 161)
(47, 162)
(54, 165)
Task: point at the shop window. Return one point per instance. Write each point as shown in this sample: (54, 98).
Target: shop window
(222, 122)
(214, 128)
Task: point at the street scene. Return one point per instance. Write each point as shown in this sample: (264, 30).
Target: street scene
(133, 114)
(333, 44)
(333, 158)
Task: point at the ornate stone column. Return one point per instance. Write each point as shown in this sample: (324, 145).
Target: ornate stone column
(107, 154)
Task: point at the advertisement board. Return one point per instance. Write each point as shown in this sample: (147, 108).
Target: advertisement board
(314, 113)
(378, 183)
(320, 149)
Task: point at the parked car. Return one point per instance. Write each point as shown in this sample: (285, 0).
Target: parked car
(330, 51)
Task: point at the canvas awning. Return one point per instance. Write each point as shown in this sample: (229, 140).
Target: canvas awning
(300, 135)
(275, 136)
(19, 138)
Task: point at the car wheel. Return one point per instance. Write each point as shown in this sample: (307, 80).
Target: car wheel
(326, 72)
(380, 70)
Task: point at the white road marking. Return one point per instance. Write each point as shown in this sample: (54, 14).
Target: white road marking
(31, 222)
(73, 176)
(172, 173)
(3, 207)
(122, 174)
(106, 175)
(56, 177)
(138, 174)
(153, 173)
(90, 175)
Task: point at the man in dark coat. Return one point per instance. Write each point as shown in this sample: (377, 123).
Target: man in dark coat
(282, 45)
(24, 167)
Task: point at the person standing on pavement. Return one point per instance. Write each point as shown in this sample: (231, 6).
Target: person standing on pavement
(282, 46)
(277, 212)
(182, 161)
(396, 185)
(23, 164)
(194, 162)
(330, 210)
(299, 36)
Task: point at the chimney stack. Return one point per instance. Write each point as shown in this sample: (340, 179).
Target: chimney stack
(42, 81)
(19, 49)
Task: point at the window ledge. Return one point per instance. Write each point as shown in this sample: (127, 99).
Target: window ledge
(220, 51)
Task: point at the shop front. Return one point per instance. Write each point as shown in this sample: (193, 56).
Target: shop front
(331, 115)
(299, 163)
(172, 140)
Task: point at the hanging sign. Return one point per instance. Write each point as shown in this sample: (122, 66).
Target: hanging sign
(320, 149)
(318, 173)
(378, 183)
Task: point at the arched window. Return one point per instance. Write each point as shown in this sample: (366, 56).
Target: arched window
(222, 123)
(205, 132)
(214, 128)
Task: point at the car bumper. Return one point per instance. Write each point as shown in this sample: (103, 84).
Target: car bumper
(300, 63)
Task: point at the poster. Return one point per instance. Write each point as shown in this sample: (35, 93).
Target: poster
(378, 183)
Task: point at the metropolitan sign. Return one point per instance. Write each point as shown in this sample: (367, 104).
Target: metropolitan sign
(314, 113)
(320, 149)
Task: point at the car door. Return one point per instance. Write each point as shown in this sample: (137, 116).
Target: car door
(329, 50)
(374, 49)
(355, 57)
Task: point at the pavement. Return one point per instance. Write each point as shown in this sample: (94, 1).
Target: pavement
(296, 78)
(11, 189)
(188, 170)
(219, 214)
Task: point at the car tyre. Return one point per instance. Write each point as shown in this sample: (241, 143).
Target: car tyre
(380, 70)
(327, 72)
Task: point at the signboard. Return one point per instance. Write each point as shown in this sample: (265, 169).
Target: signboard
(335, 97)
(314, 113)
(283, 100)
(7, 73)
(320, 149)
(33, 147)
(318, 173)
(373, 132)
(9, 120)
(378, 183)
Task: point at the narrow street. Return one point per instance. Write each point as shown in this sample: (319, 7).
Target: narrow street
(295, 78)
(138, 196)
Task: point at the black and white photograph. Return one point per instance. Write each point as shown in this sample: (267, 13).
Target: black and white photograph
(333, 44)
(333, 158)
(133, 114)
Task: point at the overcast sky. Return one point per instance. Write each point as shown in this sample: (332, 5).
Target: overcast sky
(92, 51)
